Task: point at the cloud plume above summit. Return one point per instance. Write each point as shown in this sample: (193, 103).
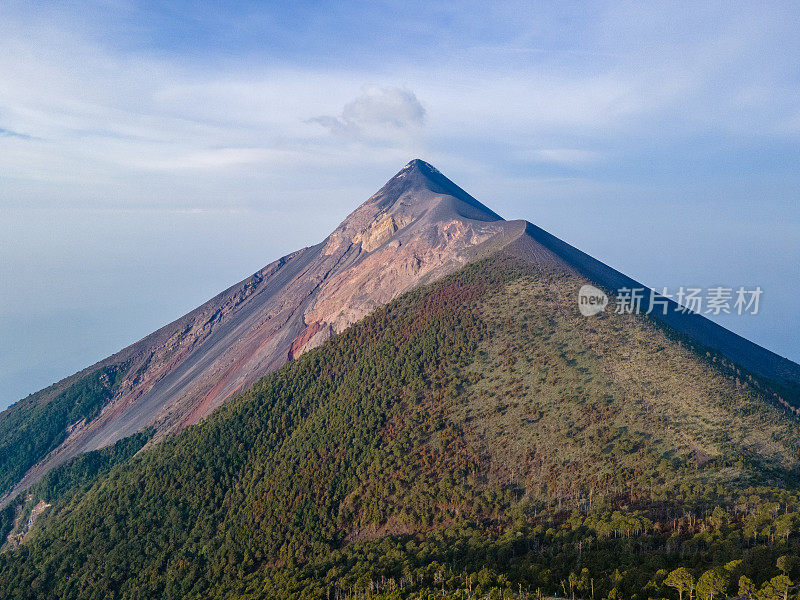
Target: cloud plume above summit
(377, 112)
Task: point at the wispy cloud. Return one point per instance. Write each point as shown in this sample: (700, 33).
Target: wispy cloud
(16, 134)
(565, 156)
(219, 158)
(378, 112)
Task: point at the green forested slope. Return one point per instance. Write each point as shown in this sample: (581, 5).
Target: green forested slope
(478, 434)
(30, 429)
(59, 486)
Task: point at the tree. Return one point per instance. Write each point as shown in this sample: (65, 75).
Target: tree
(788, 563)
(681, 580)
(733, 567)
(584, 583)
(747, 589)
(719, 518)
(712, 583)
(776, 588)
(573, 582)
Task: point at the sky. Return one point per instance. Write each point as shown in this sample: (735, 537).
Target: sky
(154, 153)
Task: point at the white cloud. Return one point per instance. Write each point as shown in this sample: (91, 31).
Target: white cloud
(378, 112)
(218, 158)
(565, 156)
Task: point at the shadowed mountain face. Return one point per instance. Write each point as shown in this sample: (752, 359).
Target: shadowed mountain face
(419, 227)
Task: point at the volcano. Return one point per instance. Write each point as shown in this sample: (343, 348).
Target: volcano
(418, 228)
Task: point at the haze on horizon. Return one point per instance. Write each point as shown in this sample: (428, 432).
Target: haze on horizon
(150, 156)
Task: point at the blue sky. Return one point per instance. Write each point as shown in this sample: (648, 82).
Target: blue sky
(152, 154)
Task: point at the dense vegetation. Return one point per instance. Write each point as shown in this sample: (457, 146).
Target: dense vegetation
(473, 438)
(570, 553)
(30, 429)
(61, 485)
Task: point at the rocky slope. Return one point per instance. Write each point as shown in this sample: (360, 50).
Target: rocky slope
(418, 227)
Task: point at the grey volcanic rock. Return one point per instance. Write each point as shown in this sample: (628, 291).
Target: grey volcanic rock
(419, 227)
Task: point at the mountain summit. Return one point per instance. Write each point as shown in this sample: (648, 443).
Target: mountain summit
(420, 184)
(417, 228)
